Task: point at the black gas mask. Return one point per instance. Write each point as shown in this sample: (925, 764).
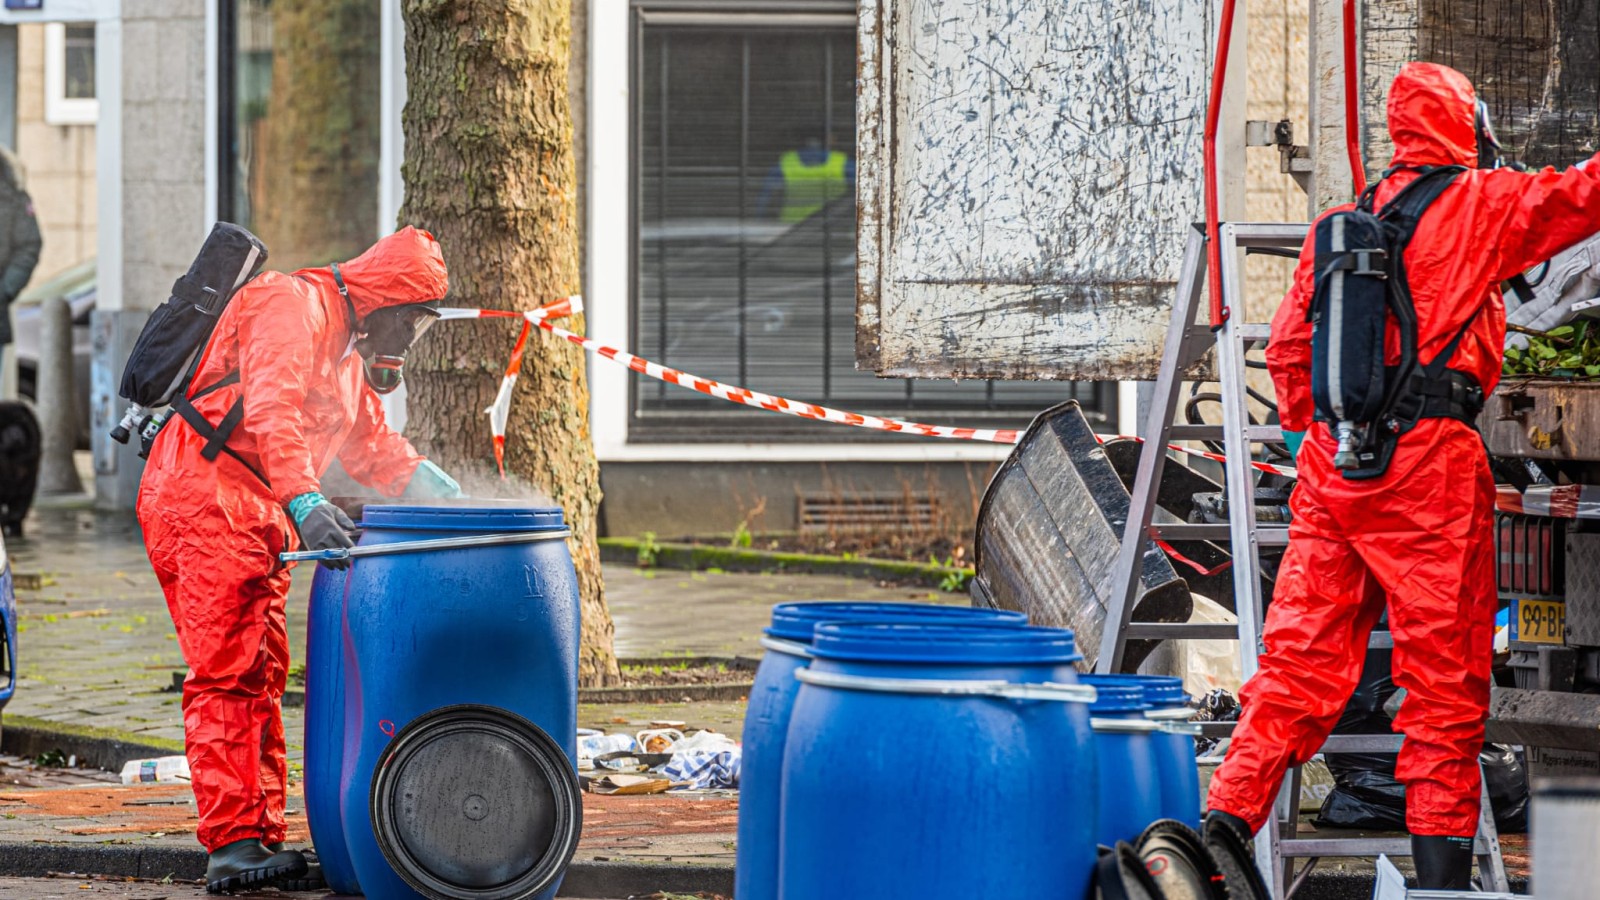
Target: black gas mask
(1488, 144)
(385, 336)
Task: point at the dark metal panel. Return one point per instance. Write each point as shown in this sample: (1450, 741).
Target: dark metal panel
(1545, 719)
(1050, 530)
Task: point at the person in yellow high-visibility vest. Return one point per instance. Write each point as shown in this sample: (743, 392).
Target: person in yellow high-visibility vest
(810, 178)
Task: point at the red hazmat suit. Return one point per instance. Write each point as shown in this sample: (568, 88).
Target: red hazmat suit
(1423, 531)
(214, 530)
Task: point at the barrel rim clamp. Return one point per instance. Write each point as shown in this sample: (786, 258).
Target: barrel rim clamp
(1124, 726)
(1005, 690)
(1176, 714)
(792, 648)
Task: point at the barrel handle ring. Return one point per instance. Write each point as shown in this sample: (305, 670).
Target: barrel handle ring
(792, 648)
(1064, 693)
(1125, 726)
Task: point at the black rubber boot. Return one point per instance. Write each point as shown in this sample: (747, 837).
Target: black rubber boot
(248, 864)
(1240, 827)
(312, 880)
(1229, 841)
(1443, 863)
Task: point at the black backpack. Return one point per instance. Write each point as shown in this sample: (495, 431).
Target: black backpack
(169, 347)
(1360, 283)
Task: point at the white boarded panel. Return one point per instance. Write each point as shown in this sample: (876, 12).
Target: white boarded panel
(1027, 171)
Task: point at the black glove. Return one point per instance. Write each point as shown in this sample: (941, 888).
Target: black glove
(326, 527)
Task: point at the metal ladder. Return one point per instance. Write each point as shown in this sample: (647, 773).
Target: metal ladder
(1277, 847)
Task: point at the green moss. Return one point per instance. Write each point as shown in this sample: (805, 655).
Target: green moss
(740, 559)
(88, 732)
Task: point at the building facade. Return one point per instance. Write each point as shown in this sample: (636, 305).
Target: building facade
(716, 153)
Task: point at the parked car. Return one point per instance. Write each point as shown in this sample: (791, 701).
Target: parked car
(78, 286)
(8, 611)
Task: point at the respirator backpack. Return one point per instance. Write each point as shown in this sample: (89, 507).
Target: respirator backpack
(168, 350)
(1359, 286)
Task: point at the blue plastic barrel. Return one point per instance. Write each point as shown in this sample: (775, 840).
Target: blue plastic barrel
(8, 612)
(1175, 747)
(938, 761)
(451, 676)
(324, 724)
(1130, 788)
(766, 720)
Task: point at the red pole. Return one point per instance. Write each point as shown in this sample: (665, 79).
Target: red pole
(1352, 101)
(1219, 75)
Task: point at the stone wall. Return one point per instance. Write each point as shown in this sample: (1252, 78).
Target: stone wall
(1279, 72)
(163, 203)
(60, 165)
(163, 145)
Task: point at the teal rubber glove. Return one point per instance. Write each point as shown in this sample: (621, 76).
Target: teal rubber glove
(429, 482)
(322, 526)
(302, 505)
(1293, 440)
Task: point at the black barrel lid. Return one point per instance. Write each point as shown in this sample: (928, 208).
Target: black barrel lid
(476, 802)
(1178, 861)
(1120, 875)
(1234, 859)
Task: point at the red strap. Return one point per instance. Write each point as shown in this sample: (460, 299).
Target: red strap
(1170, 551)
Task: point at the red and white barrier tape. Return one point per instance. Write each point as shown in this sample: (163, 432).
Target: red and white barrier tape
(733, 394)
(1558, 501)
(500, 410)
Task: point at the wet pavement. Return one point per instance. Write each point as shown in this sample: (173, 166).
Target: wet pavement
(97, 649)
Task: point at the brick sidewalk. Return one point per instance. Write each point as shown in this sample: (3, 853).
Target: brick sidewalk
(658, 828)
(97, 650)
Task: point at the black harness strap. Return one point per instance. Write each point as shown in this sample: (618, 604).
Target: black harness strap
(217, 435)
(1403, 213)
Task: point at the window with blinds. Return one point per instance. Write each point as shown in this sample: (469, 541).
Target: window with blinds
(745, 235)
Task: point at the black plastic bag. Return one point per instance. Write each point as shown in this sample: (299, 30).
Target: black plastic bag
(1364, 798)
(1373, 799)
(1365, 794)
(1507, 774)
(1216, 706)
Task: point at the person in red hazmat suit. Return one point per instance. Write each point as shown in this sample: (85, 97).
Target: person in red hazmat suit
(296, 365)
(1422, 530)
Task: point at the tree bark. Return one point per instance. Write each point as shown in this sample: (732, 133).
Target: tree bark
(313, 196)
(489, 170)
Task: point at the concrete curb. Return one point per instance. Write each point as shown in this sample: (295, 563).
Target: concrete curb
(583, 879)
(687, 693)
(98, 747)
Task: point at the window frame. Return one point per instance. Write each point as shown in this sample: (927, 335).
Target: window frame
(735, 425)
(59, 109)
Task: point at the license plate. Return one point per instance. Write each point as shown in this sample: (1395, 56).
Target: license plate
(1539, 621)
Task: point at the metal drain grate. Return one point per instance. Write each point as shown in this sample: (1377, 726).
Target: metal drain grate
(835, 513)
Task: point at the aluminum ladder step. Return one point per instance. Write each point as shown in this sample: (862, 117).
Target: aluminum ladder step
(1266, 536)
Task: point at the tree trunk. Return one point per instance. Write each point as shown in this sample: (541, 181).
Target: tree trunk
(313, 197)
(489, 170)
